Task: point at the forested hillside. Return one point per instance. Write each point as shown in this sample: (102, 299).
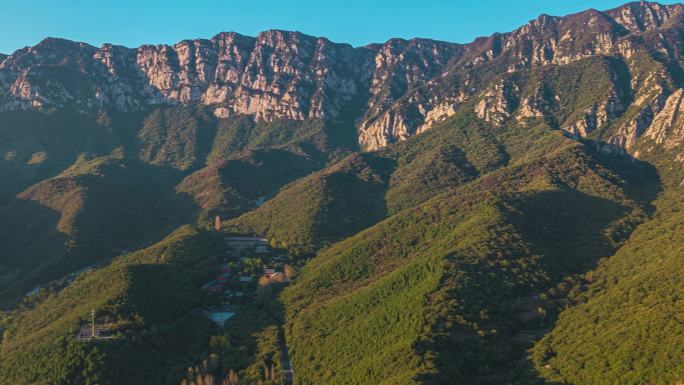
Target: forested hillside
(456, 286)
(625, 323)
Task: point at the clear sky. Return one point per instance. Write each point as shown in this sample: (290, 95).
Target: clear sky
(358, 22)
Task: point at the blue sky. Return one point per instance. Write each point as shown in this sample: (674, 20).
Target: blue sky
(358, 22)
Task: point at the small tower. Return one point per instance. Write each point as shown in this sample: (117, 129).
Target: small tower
(217, 223)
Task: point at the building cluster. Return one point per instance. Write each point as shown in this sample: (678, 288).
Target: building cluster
(93, 330)
(237, 246)
(236, 281)
(87, 332)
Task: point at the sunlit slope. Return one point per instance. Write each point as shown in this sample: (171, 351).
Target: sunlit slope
(437, 293)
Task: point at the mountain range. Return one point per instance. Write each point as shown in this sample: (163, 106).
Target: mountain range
(503, 211)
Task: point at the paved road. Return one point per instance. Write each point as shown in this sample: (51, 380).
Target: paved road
(288, 370)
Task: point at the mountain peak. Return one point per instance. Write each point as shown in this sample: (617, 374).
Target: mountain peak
(640, 16)
(58, 43)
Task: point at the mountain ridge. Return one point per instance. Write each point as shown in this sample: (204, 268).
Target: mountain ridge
(290, 75)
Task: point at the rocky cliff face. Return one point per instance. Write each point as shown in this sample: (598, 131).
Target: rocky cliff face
(628, 34)
(278, 75)
(667, 127)
(388, 91)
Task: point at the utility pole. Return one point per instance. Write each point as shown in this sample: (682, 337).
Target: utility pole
(92, 317)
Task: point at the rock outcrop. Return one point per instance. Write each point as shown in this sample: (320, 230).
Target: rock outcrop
(667, 128)
(497, 103)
